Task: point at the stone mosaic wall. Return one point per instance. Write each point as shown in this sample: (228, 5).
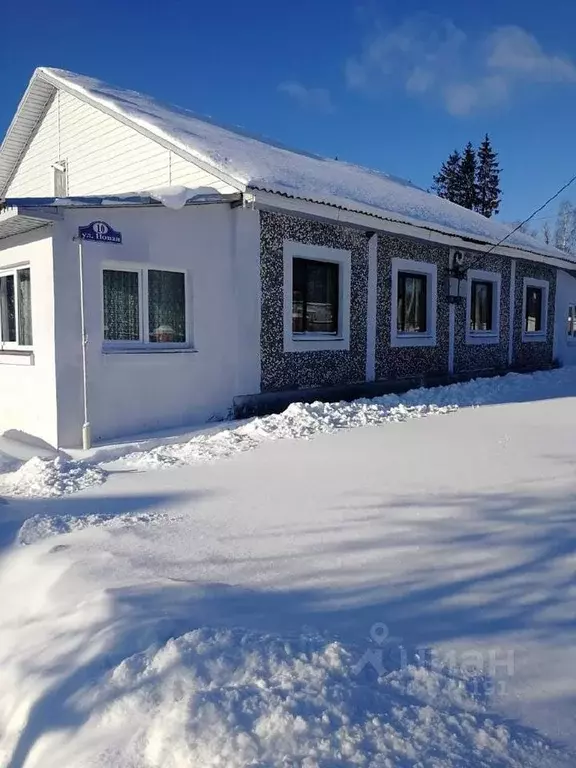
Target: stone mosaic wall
(484, 357)
(407, 362)
(533, 354)
(295, 370)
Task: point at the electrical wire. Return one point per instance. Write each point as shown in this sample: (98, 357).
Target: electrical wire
(532, 215)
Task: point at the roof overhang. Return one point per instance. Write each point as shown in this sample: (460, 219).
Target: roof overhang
(17, 221)
(29, 114)
(377, 221)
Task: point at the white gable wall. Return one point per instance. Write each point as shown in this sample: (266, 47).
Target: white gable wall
(28, 384)
(103, 156)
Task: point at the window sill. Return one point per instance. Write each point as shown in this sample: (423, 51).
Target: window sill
(316, 342)
(482, 338)
(149, 350)
(16, 357)
(534, 337)
(317, 337)
(413, 340)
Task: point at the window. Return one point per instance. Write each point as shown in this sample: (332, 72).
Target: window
(144, 306)
(533, 315)
(15, 308)
(483, 307)
(411, 314)
(571, 329)
(60, 179)
(413, 303)
(315, 296)
(535, 310)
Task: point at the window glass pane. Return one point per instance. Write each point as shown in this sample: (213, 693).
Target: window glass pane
(533, 309)
(166, 306)
(315, 290)
(412, 303)
(24, 308)
(481, 305)
(571, 320)
(7, 309)
(121, 306)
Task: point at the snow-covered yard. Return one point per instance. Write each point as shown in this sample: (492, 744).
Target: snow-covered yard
(400, 593)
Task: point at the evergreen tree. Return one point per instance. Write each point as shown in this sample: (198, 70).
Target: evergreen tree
(487, 180)
(467, 191)
(447, 180)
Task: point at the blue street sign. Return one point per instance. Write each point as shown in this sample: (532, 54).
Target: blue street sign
(100, 232)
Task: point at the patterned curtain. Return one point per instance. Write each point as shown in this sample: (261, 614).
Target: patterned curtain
(121, 306)
(24, 308)
(166, 306)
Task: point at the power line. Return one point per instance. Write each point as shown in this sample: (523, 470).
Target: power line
(554, 196)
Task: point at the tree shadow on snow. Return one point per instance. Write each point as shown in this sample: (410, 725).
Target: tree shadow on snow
(492, 563)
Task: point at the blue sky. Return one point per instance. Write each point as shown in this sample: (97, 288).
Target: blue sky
(384, 84)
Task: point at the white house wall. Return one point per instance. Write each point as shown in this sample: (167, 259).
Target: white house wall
(28, 384)
(103, 155)
(130, 393)
(564, 348)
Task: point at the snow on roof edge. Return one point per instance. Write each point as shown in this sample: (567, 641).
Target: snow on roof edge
(164, 122)
(377, 213)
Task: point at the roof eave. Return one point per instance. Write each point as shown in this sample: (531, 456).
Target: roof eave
(18, 221)
(379, 220)
(30, 111)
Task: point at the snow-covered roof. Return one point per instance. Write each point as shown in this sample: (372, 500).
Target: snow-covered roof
(249, 162)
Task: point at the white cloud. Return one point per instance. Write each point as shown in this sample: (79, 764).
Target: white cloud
(311, 98)
(429, 56)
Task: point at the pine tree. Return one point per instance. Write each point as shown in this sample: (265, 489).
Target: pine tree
(467, 192)
(446, 182)
(487, 180)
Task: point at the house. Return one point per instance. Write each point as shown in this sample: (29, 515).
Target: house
(157, 269)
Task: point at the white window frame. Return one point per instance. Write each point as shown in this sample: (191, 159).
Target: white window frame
(9, 345)
(535, 336)
(143, 343)
(484, 337)
(414, 338)
(571, 337)
(312, 342)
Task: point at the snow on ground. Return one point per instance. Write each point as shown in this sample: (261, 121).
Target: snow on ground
(396, 595)
(45, 476)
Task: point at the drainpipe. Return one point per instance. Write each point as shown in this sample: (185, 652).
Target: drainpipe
(86, 429)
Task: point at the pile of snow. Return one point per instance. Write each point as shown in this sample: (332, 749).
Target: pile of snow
(304, 420)
(50, 477)
(299, 420)
(236, 699)
(43, 526)
(44, 477)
